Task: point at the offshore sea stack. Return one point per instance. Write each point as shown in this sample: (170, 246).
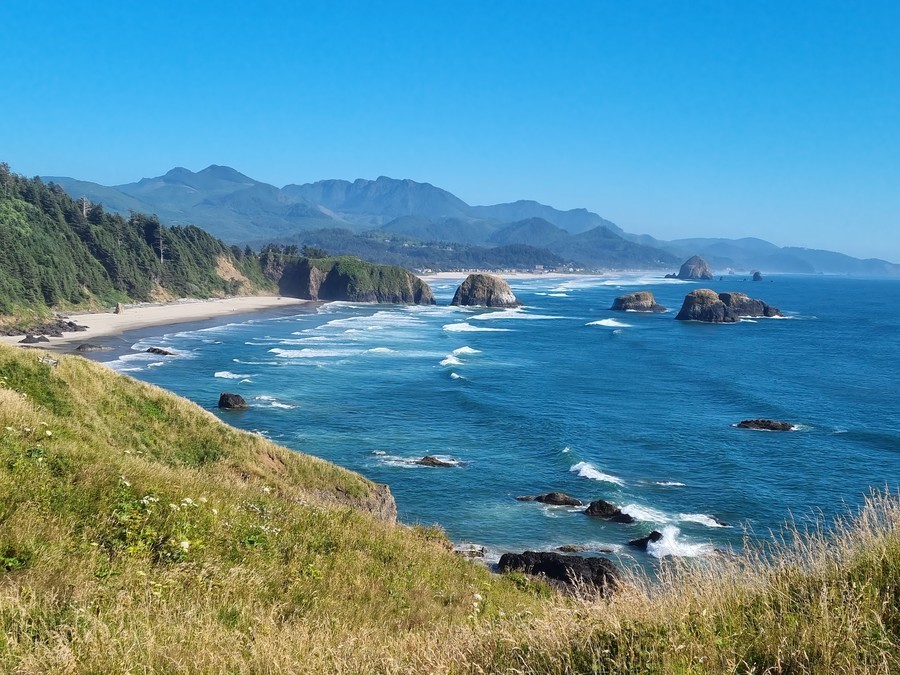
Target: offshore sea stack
(485, 290)
(642, 301)
(695, 268)
(350, 279)
(711, 307)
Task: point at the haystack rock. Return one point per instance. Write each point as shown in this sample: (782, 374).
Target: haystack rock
(711, 307)
(485, 290)
(757, 276)
(695, 268)
(642, 301)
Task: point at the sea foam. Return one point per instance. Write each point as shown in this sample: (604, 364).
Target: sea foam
(588, 470)
(228, 375)
(469, 328)
(465, 350)
(672, 544)
(609, 323)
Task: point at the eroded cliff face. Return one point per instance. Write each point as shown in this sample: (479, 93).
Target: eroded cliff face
(485, 290)
(352, 280)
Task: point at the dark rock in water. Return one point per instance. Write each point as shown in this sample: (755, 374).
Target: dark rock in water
(643, 541)
(33, 339)
(603, 509)
(695, 268)
(757, 276)
(571, 548)
(671, 276)
(429, 460)
(642, 301)
(765, 425)
(88, 347)
(569, 569)
(485, 290)
(553, 498)
(159, 351)
(708, 306)
(232, 401)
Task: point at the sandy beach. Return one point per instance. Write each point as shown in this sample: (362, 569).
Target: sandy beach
(104, 324)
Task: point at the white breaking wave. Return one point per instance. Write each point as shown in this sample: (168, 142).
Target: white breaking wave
(465, 350)
(451, 361)
(669, 483)
(469, 328)
(609, 323)
(228, 375)
(700, 518)
(588, 470)
(672, 545)
(557, 295)
(645, 513)
(310, 353)
(455, 376)
(380, 350)
(517, 313)
(274, 402)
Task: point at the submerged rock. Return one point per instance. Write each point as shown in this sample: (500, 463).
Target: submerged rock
(159, 351)
(643, 541)
(695, 268)
(568, 569)
(430, 460)
(601, 508)
(708, 306)
(642, 301)
(765, 425)
(553, 499)
(485, 290)
(232, 401)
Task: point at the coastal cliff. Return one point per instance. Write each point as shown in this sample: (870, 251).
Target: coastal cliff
(352, 280)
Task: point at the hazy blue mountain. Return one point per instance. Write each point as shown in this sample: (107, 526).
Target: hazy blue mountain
(375, 202)
(238, 209)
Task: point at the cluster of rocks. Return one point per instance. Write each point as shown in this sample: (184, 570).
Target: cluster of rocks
(44, 331)
(706, 305)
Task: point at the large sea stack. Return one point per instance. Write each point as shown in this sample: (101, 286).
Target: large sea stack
(352, 280)
(485, 290)
(642, 301)
(695, 268)
(711, 307)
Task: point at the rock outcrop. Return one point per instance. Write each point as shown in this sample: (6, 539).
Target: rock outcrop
(485, 290)
(765, 425)
(706, 305)
(695, 268)
(642, 542)
(568, 569)
(54, 328)
(757, 276)
(553, 499)
(600, 508)
(429, 460)
(231, 401)
(89, 347)
(642, 301)
(352, 280)
(159, 351)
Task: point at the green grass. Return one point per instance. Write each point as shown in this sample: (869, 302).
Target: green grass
(140, 534)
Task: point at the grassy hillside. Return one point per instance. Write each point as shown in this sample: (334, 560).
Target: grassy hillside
(140, 534)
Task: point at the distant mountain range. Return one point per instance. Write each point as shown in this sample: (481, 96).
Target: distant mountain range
(239, 209)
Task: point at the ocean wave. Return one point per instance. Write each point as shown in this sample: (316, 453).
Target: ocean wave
(451, 361)
(558, 295)
(610, 323)
(702, 519)
(456, 376)
(672, 544)
(668, 483)
(413, 462)
(465, 350)
(310, 353)
(273, 402)
(645, 514)
(469, 328)
(228, 375)
(588, 470)
(516, 313)
(381, 350)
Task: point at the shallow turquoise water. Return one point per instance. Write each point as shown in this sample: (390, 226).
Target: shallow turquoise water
(567, 395)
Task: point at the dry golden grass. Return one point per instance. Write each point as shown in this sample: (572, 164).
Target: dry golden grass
(141, 535)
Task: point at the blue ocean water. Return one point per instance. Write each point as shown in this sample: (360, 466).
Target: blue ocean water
(566, 395)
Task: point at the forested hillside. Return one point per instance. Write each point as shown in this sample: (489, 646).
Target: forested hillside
(56, 252)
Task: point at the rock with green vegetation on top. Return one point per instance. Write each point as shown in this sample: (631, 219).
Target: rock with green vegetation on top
(485, 290)
(350, 279)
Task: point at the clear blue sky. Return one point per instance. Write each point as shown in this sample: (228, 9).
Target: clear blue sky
(674, 118)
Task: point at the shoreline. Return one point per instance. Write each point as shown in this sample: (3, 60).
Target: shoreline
(150, 315)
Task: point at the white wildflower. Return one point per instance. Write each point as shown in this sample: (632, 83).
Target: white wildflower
(172, 506)
(477, 597)
(185, 545)
(48, 433)
(215, 512)
(187, 501)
